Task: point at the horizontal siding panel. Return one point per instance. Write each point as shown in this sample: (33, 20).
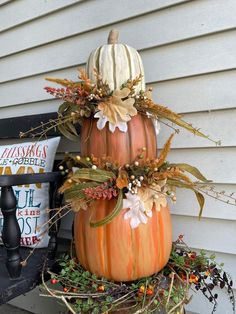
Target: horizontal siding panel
(13, 15)
(80, 19)
(187, 205)
(219, 125)
(217, 164)
(211, 53)
(202, 55)
(43, 58)
(208, 234)
(30, 109)
(198, 93)
(31, 89)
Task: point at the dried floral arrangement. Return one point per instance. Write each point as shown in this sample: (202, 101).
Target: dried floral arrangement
(86, 99)
(164, 292)
(137, 186)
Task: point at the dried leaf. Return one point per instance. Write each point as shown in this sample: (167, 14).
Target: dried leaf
(67, 133)
(192, 170)
(112, 215)
(199, 196)
(201, 202)
(67, 107)
(180, 184)
(96, 175)
(72, 128)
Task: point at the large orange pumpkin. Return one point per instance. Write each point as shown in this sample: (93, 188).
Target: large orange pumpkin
(116, 251)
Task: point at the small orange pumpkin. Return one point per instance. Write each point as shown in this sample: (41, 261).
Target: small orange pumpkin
(122, 147)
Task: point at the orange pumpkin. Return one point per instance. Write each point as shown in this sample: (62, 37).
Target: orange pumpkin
(116, 251)
(121, 147)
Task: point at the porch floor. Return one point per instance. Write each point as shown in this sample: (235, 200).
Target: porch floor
(9, 309)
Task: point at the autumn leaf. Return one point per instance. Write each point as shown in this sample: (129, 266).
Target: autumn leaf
(118, 108)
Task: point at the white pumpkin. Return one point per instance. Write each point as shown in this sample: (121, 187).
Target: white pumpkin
(116, 63)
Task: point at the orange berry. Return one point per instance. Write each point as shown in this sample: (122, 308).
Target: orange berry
(65, 289)
(101, 288)
(149, 292)
(193, 278)
(141, 289)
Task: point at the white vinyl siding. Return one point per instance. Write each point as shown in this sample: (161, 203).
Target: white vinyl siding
(189, 53)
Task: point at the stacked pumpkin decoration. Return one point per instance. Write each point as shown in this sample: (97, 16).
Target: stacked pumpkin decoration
(115, 250)
(118, 186)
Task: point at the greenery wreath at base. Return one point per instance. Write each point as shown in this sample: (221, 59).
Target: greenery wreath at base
(164, 292)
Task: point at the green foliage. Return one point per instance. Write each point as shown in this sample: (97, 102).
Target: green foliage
(167, 290)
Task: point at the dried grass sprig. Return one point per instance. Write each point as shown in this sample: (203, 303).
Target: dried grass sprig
(158, 111)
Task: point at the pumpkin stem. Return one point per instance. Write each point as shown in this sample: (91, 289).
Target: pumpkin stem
(113, 36)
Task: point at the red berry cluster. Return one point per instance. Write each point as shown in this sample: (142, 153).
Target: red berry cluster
(73, 95)
(103, 191)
